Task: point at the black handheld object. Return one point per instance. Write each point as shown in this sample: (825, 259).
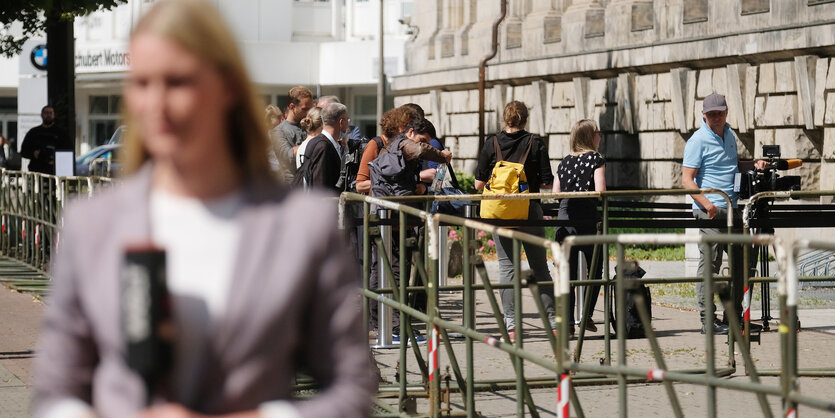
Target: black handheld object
(147, 325)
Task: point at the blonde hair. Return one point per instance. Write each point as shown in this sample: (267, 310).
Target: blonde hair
(271, 112)
(582, 137)
(313, 121)
(515, 115)
(197, 26)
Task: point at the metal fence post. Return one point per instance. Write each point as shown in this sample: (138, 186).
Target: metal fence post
(620, 305)
(366, 264)
(607, 288)
(710, 307)
(517, 318)
(404, 320)
(469, 312)
(384, 312)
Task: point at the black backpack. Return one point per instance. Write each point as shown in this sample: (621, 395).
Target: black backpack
(390, 175)
(304, 174)
(635, 290)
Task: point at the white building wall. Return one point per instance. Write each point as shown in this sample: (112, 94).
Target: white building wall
(327, 46)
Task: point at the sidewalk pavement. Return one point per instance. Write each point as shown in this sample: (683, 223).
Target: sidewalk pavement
(674, 320)
(678, 329)
(20, 321)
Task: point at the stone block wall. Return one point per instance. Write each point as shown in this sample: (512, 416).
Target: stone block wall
(646, 119)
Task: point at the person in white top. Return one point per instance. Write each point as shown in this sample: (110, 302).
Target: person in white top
(252, 304)
(312, 124)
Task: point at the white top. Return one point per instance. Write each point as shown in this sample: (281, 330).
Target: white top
(300, 151)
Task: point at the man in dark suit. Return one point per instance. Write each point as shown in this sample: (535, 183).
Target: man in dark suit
(322, 157)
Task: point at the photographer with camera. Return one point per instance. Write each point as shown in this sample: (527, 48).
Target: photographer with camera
(711, 162)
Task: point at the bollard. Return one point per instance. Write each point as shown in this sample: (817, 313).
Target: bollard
(443, 256)
(384, 312)
(580, 297)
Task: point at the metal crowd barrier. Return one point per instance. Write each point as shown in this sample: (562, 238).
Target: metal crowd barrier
(31, 205)
(426, 264)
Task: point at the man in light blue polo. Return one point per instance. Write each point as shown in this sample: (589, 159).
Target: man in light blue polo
(710, 162)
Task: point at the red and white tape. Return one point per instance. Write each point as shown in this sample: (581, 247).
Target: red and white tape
(792, 413)
(37, 234)
(433, 354)
(563, 395)
(656, 374)
(746, 305)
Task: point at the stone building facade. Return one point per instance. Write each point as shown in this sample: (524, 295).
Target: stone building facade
(641, 69)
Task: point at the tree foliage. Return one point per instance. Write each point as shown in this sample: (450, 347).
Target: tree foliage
(31, 14)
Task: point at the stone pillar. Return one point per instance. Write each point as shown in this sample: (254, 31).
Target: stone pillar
(804, 70)
(542, 30)
(683, 94)
(584, 25)
(629, 21)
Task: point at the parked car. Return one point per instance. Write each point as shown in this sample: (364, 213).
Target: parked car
(118, 136)
(102, 152)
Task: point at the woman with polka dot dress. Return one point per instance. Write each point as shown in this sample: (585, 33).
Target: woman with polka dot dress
(584, 170)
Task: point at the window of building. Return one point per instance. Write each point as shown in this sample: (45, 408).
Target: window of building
(8, 104)
(364, 113)
(8, 129)
(104, 118)
(695, 11)
(755, 6)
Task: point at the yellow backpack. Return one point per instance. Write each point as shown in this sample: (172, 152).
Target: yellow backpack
(507, 178)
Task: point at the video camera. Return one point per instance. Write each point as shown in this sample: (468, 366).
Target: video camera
(767, 179)
(351, 162)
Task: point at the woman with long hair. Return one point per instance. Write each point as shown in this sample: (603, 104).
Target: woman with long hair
(250, 302)
(519, 146)
(583, 170)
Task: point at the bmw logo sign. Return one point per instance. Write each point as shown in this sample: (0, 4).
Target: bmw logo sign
(38, 57)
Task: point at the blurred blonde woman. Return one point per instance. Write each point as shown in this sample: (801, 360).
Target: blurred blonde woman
(584, 170)
(272, 118)
(251, 303)
(313, 125)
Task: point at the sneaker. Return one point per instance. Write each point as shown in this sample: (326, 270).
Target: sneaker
(571, 331)
(395, 339)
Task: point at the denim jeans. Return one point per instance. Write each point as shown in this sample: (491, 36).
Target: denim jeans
(537, 259)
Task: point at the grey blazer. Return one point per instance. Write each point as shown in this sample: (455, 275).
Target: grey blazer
(294, 307)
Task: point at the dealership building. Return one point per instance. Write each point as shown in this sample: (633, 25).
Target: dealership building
(330, 47)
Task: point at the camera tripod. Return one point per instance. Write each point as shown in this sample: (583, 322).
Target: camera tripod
(760, 252)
